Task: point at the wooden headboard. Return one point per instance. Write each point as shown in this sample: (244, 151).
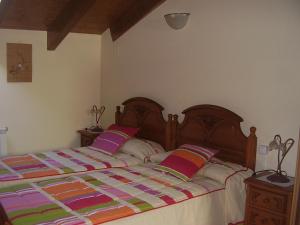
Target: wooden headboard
(219, 128)
(147, 115)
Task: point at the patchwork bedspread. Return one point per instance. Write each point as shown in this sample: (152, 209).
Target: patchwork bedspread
(59, 162)
(99, 197)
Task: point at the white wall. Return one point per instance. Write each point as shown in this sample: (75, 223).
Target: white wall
(241, 54)
(46, 113)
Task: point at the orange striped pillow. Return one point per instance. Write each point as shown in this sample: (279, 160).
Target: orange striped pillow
(185, 162)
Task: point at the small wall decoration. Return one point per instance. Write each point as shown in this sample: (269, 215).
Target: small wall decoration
(19, 62)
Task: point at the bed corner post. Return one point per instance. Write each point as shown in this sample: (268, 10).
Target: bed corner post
(118, 115)
(169, 133)
(174, 131)
(251, 149)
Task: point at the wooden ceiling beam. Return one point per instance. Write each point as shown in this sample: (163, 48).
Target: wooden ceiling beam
(66, 20)
(4, 5)
(132, 16)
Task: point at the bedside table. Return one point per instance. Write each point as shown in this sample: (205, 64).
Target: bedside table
(266, 203)
(87, 137)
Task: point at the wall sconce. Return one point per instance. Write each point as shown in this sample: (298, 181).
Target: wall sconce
(177, 20)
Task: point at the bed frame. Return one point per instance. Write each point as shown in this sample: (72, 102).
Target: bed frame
(206, 125)
(219, 128)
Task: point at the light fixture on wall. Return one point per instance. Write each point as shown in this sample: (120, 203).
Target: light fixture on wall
(177, 20)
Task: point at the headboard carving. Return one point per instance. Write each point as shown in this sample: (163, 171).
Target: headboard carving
(219, 128)
(147, 115)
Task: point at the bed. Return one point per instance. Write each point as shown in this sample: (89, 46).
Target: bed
(140, 194)
(138, 112)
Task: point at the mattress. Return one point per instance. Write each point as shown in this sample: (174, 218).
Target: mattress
(58, 163)
(130, 196)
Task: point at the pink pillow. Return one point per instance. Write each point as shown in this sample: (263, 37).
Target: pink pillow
(110, 141)
(131, 131)
(185, 161)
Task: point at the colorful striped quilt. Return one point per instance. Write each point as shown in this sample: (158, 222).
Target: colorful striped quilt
(98, 197)
(59, 162)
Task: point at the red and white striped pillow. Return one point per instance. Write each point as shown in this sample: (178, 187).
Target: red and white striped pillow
(185, 161)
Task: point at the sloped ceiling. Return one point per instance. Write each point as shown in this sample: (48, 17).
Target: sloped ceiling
(59, 17)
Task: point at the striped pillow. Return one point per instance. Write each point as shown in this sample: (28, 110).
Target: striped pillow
(110, 141)
(141, 148)
(185, 161)
(207, 153)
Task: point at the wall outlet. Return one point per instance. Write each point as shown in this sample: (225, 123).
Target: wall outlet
(263, 149)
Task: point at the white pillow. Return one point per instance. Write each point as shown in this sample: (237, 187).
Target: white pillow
(141, 148)
(221, 171)
(158, 158)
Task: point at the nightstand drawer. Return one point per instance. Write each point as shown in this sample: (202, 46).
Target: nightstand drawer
(259, 217)
(86, 141)
(268, 200)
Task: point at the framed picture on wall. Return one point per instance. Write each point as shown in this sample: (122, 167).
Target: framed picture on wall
(19, 62)
(295, 213)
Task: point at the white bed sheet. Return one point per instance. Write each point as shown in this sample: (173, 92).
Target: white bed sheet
(220, 207)
(204, 210)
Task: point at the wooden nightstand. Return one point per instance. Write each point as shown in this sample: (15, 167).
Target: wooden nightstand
(266, 203)
(87, 137)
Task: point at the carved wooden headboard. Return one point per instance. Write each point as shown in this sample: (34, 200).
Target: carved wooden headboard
(219, 128)
(147, 115)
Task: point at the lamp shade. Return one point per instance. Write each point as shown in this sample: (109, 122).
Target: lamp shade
(177, 20)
